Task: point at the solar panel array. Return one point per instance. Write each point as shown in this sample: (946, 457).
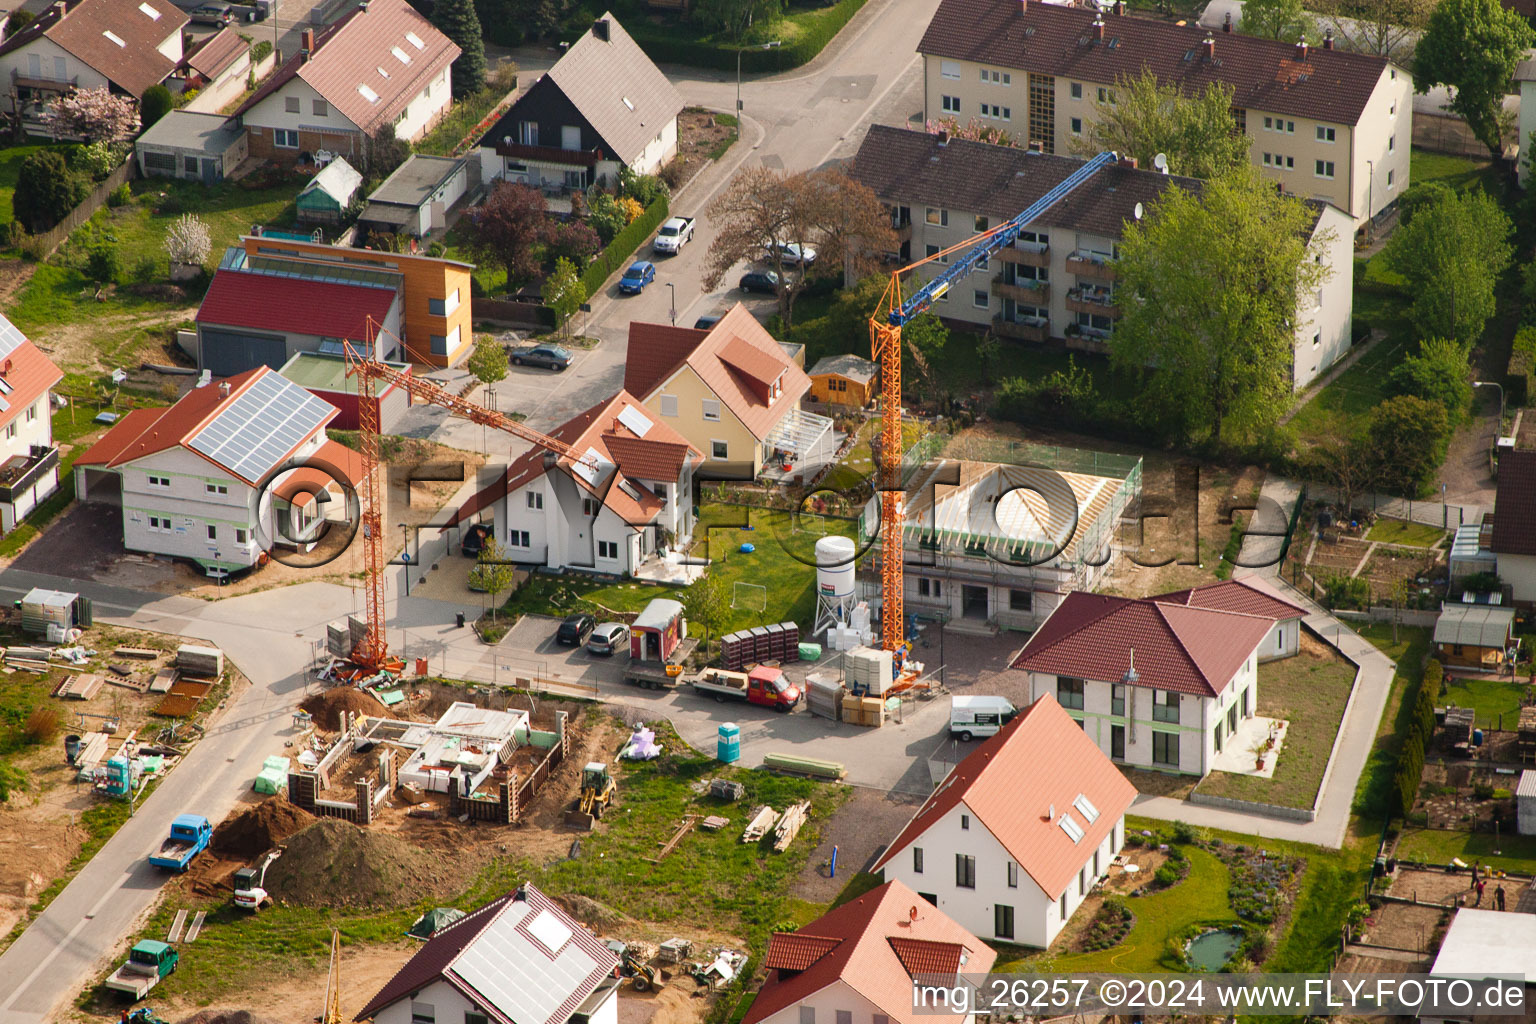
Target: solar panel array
(261, 426)
(519, 977)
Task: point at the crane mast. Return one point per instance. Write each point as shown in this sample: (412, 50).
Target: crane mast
(885, 349)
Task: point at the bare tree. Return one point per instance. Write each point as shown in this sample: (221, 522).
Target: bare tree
(853, 226)
(1385, 28)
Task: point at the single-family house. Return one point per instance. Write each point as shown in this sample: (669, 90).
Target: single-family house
(1514, 524)
(122, 45)
(324, 199)
(1251, 595)
(1019, 832)
(519, 959)
(381, 64)
(29, 460)
(602, 106)
(1057, 280)
(1325, 123)
(435, 311)
(1156, 684)
(416, 198)
(202, 479)
(629, 495)
(324, 375)
(219, 68)
(730, 390)
(857, 963)
(1476, 635)
(1484, 944)
(843, 380)
(195, 147)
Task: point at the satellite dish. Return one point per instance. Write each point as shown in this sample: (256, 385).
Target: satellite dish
(1138, 211)
(1161, 162)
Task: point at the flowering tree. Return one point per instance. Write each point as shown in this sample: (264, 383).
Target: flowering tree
(92, 114)
(973, 131)
(187, 241)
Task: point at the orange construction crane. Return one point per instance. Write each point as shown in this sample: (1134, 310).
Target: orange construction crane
(885, 348)
(372, 654)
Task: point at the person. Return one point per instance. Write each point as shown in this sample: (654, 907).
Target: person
(1480, 885)
(1498, 897)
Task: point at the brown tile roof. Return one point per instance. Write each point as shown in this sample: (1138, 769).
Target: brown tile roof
(646, 458)
(924, 956)
(81, 30)
(1177, 648)
(349, 53)
(864, 935)
(217, 53)
(795, 951)
(758, 366)
(1040, 760)
(1250, 596)
(913, 167)
(655, 352)
(1330, 85)
(1514, 507)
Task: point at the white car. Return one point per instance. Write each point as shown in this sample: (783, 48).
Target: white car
(793, 254)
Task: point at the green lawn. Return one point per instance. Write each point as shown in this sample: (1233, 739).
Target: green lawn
(1459, 172)
(1342, 408)
(1490, 698)
(1517, 854)
(1396, 531)
(560, 595)
(1310, 693)
(1374, 792)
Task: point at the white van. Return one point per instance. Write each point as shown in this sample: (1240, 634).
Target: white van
(979, 716)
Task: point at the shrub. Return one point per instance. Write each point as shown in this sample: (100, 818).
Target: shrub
(41, 725)
(623, 244)
(1482, 791)
(46, 190)
(103, 264)
(673, 174)
(32, 248)
(260, 50)
(120, 196)
(662, 46)
(11, 234)
(156, 103)
(644, 189)
(1522, 363)
(145, 270)
(1167, 875)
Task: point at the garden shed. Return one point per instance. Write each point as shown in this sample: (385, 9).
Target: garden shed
(843, 380)
(329, 193)
(416, 198)
(196, 147)
(657, 630)
(1474, 634)
(1525, 803)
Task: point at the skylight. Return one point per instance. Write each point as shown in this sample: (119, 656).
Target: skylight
(400, 55)
(1085, 808)
(415, 40)
(550, 931)
(1070, 826)
(382, 72)
(114, 37)
(153, 14)
(628, 104)
(368, 94)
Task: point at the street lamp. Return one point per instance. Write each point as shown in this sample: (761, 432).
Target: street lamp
(672, 312)
(405, 556)
(766, 46)
(1494, 384)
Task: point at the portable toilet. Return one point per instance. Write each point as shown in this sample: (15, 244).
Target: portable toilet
(728, 744)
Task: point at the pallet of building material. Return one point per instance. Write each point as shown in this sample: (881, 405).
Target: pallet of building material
(163, 681)
(28, 654)
(200, 661)
(93, 747)
(81, 687)
(761, 821)
(725, 789)
(674, 951)
(714, 823)
(176, 706)
(138, 684)
(789, 824)
(147, 653)
(689, 820)
(805, 767)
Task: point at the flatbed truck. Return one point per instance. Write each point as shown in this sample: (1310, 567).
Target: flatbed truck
(148, 961)
(189, 837)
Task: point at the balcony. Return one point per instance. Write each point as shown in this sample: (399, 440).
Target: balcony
(1031, 330)
(1088, 265)
(42, 81)
(903, 231)
(1080, 300)
(550, 154)
(1030, 293)
(1026, 254)
(20, 472)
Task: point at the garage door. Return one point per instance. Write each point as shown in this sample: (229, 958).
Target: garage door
(227, 353)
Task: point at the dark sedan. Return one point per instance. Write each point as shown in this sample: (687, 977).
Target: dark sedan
(765, 282)
(551, 357)
(576, 629)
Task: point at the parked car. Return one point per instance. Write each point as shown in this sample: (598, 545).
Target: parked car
(793, 254)
(704, 323)
(214, 12)
(763, 281)
(609, 638)
(575, 630)
(639, 274)
(474, 539)
(551, 356)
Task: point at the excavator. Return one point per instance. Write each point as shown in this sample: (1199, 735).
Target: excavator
(597, 791)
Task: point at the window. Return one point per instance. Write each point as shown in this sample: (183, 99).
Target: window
(1021, 600)
(320, 108)
(1165, 706)
(444, 344)
(1165, 749)
(518, 538)
(1325, 134)
(189, 164)
(1323, 169)
(931, 250)
(881, 1018)
(929, 588)
(470, 1017)
(285, 138)
(1391, 179)
(1290, 163)
(949, 69)
(939, 217)
(241, 536)
(1317, 339)
(807, 1015)
(213, 532)
(844, 1016)
(982, 224)
(1063, 906)
(1095, 863)
(1289, 129)
(589, 506)
(1002, 921)
(528, 133)
(291, 104)
(917, 860)
(215, 488)
(1392, 111)
(423, 1013)
(444, 306)
(160, 524)
(1391, 143)
(535, 500)
(1103, 94)
(980, 299)
(1069, 692)
(1077, 90)
(1117, 699)
(965, 871)
(965, 822)
(1082, 880)
(159, 481)
(717, 449)
(711, 410)
(669, 405)
(1077, 126)
(950, 104)
(607, 549)
(1013, 875)
(1117, 742)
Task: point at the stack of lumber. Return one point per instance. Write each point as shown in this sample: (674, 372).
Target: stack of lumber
(146, 653)
(863, 710)
(789, 825)
(1526, 738)
(714, 823)
(808, 767)
(93, 749)
(761, 821)
(80, 687)
(674, 951)
(33, 659)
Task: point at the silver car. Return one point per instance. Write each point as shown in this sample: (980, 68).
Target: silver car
(608, 638)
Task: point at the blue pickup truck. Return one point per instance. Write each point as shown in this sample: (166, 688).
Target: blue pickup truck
(189, 837)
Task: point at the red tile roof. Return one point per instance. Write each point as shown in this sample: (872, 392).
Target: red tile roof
(332, 462)
(1329, 85)
(293, 305)
(30, 375)
(80, 29)
(217, 53)
(1039, 762)
(758, 365)
(1175, 647)
(645, 458)
(924, 956)
(1514, 507)
(795, 951)
(1249, 596)
(655, 352)
(866, 932)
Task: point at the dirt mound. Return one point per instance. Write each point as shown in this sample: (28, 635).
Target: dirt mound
(599, 917)
(257, 830)
(333, 863)
(226, 1017)
(328, 706)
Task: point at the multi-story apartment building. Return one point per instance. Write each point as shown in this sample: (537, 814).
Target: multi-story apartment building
(1058, 279)
(1325, 123)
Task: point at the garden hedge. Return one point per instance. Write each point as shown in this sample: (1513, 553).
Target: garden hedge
(623, 245)
(664, 47)
(1522, 366)
(1421, 728)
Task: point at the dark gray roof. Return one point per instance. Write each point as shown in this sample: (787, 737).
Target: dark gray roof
(212, 134)
(415, 180)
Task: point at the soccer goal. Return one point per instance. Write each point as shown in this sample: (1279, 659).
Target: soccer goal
(809, 522)
(749, 595)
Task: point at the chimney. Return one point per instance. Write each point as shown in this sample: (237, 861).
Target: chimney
(1226, 24)
(1301, 49)
(306, 43)
(1209, 46)
(1128, 161)
(1098, 29)
(1023, 6)
(1119, 8)
(1328, 39)
(362, 5)
(600, 29)
(943, 136)
(223, 389)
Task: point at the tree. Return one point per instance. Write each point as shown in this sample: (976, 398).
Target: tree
(1473, 46)
(155, 104)
(187, 240)
(507, 229)
(386, 151)
(20, 18)
(1141, 118)
(1383, 28)
(972, 131)
(1349, 464)
(564, 293)
(574, 241)
(492, 572)
(1440, 372)
(1275, 19)
(736, 16)
(606, 216)
(488, 361)
(46, 190)
(457, 20)
(103, 264)
(853, 226)
(923, 340)
(707, 602)
(1408, 436)
(1208, 286)
(92, 114)
(1452, 253)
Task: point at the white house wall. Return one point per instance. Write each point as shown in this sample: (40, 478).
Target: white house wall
(1519, 571)
(1326, 313)
(1283, 641)
(272, 112)
(825, 1003)
(424, 109)
(30, 426)
(49, 55)
(447, 1004)
(658, 151)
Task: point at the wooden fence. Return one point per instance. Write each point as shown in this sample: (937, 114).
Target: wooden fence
(55, 236)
